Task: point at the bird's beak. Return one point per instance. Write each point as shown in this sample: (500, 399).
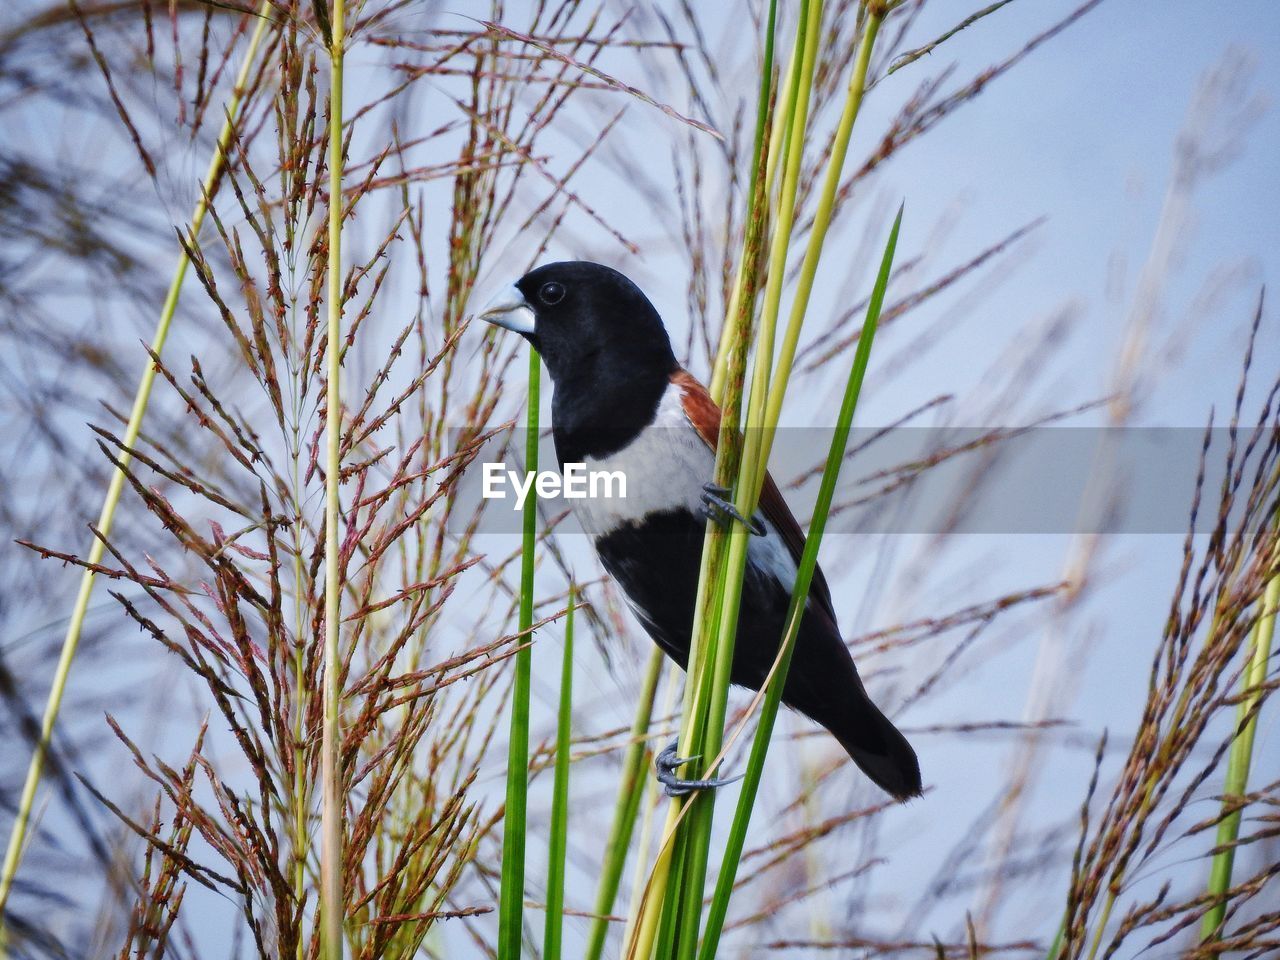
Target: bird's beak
(511, 310)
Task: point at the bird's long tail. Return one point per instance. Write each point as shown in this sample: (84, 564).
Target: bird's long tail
(876, 745)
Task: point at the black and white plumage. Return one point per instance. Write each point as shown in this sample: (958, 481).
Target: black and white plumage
(622, 402)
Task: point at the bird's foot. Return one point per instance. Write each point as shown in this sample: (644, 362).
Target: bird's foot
(673, 786)
(717, 507)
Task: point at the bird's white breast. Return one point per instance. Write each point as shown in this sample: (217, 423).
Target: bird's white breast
(665, 467)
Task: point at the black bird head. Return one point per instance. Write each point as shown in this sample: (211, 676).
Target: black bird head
(604, 345)
(586, 320)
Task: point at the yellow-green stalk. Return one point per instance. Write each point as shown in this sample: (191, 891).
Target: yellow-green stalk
(771, 693)
(554, 929)
(1114, 885)
(657, 903)
(777, 138)
(683, 861)
(630, 792)
(332, 800)
(821, 222)
(811, 16)
(639, 883)
(1241, 758)
(705, 722)
(106, 516)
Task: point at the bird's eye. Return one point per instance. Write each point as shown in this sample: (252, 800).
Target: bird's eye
(551, 293)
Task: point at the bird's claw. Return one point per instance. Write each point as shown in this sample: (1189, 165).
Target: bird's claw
(718, 508)
(673, 786)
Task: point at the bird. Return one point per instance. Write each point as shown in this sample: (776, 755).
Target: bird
(622, 402)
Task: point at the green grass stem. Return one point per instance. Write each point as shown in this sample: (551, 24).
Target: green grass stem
(560, 797)
(679, 882)
(703, 726)
(647, 820)
(780, 241)
(757, 208)
(643, 924)
(1176, 720)
(821, 223)
(511, 889)
(630, 792)
(1240, 760)
(772, 690)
